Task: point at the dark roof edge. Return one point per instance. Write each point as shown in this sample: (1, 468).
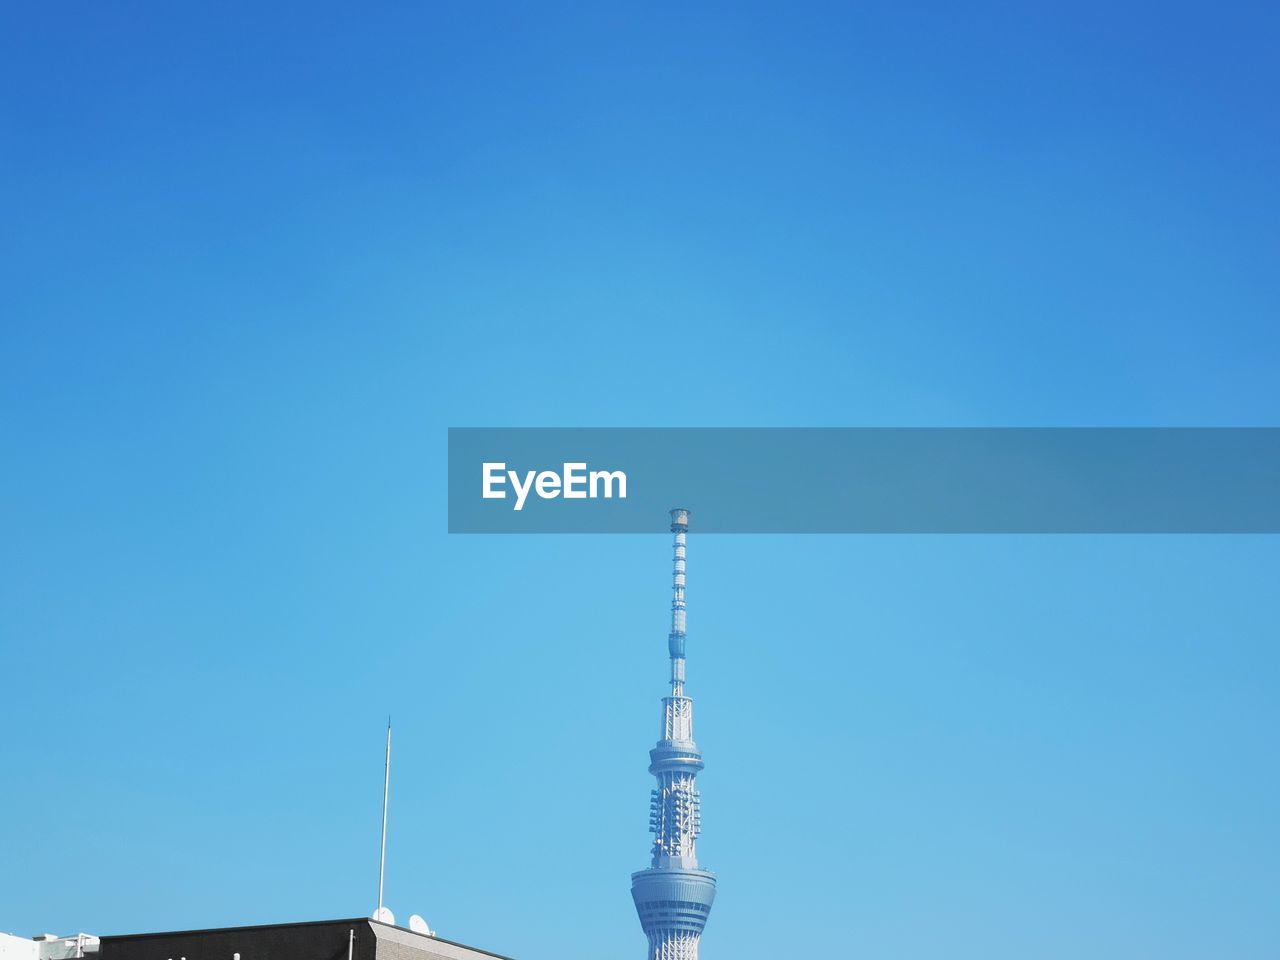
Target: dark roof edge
(253, 926)
(303, 923)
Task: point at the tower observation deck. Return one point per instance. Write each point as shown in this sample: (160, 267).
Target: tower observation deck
(673, 896)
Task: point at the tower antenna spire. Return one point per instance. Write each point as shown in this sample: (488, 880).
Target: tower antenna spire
(386, 793)
(674, 896)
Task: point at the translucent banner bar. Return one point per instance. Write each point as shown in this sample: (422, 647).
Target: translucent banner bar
(866, 480)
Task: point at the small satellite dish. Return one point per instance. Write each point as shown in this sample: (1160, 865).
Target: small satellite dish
(418, 925)
(384, 915)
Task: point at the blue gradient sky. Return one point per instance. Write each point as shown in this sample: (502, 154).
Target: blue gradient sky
(255, 262)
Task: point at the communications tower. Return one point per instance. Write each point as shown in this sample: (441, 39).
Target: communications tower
(674, 896)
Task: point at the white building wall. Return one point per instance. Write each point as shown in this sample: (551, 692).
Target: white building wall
(46, 947)
(18, 948)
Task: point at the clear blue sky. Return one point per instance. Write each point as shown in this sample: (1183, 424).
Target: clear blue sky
(256, 261)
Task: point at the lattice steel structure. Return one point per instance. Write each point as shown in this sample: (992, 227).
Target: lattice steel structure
(673, 897)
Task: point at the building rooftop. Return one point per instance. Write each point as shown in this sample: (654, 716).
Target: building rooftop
(357, 938)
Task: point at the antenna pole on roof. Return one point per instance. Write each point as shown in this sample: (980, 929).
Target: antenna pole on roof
(386, 790)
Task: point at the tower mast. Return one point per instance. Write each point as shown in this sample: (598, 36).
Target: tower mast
(386, 793)
(673, 896)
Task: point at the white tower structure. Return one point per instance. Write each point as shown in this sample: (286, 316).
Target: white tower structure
(674, 896)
